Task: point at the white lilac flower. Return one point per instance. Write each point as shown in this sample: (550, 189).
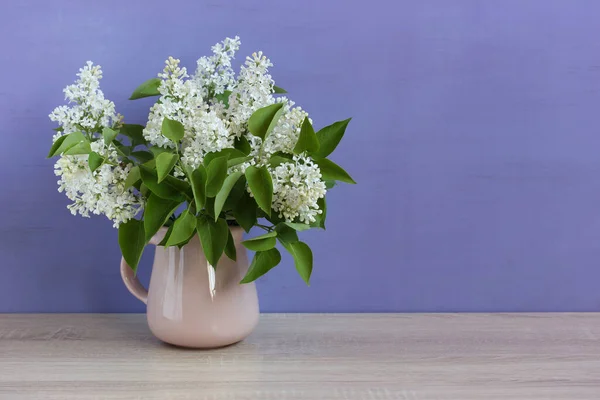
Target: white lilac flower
(181, 100)
(285, 134)
(88, 110)
(254, 90)
(101, 191)
(297, 186)
(209, 135)
(214, 74)
(175, 100)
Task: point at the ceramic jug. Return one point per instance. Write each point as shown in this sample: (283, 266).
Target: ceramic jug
(190, 303)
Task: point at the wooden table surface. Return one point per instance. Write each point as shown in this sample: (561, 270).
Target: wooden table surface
(307, 356)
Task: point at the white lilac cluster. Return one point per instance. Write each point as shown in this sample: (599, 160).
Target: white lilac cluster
(182, 100)
(285, 134)
(88, 110)
(101, 191)
(297, 186)
(98, 192)
(253, 90)
(214, 74)
(283, 138)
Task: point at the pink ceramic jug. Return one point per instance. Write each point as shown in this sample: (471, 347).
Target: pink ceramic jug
(192, 304)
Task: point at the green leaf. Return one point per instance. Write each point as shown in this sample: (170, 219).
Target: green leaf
(198, 181)
(263, 120)
(320, 218)
(297, 226)
(132, 241)
(183, 228)
(262, 263)
(261, 185)
(273, 218)
(213, 237)
(164, 164)
(278, 90)
(285, 234)
(329, 137)
(134, 132)
(157, 212)
(180, 245)
(262, 242)
(209, 207)
(56, 145)
(245, 212)
(180, 185)
(216, 172)
(79, 148)
(330, 184)
(229, 153)
(109, 135)
(151, 164)
(142, 156)
(132, 178)
(230, 250)
(235, 194)
(156, 151)
(172, 129)
(144, 190)
(237, 161)
(332, 171)
(65, 142)
(167, 236)
(307, 140)
(303, 259)
(95, 160)
(243, 145)
(123, 150)
(147, 89)
(228, 184)
(279, 158)
(166, 189)
(224, 97)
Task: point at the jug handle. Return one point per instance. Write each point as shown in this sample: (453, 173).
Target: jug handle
(132, 282)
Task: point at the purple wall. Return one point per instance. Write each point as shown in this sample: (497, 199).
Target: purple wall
(475, 142)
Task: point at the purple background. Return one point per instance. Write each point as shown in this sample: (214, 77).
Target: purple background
(475, 141)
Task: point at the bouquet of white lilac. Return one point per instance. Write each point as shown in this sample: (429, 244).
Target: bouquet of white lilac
(227, 150)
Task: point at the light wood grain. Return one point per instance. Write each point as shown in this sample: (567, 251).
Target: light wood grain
(307, 356)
